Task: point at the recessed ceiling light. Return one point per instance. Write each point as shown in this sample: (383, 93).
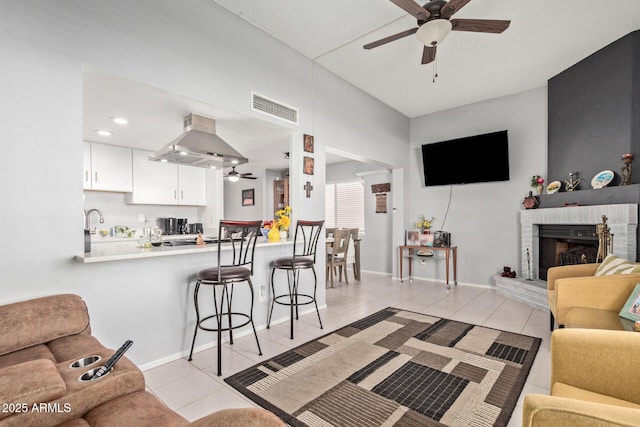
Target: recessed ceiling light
(212, 166)
(183, 153)
(235, 162)
(103, 132)
(120, 120)
(164, 160)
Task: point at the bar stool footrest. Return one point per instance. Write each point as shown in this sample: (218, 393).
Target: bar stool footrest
(224, 316)
(288, 297)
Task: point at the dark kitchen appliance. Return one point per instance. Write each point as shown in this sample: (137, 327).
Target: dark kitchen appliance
(185, 242)
(168, 226)
(195, 228)
(182, 226)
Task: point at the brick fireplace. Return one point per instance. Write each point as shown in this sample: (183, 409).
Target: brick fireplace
(622, 220)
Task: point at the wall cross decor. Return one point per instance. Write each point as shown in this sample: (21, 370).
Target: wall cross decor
(308, 187)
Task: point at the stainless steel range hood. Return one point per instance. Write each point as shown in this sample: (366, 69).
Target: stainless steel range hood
(199, 146)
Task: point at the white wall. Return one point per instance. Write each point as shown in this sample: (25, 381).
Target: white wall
(207, 54)
(376, 250)
(375, 247)
(233, 208)
(483, 218)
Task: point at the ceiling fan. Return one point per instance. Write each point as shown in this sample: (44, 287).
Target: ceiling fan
(434, 24)
(234, 176)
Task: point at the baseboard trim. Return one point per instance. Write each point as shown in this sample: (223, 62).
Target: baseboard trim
(182, 354)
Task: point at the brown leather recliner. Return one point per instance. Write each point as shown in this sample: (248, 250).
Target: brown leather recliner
(40, 385)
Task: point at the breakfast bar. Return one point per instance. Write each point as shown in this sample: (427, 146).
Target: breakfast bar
(126, 250)
(149, 292)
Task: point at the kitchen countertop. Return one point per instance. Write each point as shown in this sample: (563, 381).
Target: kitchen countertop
(125, 250)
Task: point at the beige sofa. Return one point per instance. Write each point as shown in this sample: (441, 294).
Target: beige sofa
(41, 342)
(594, 381)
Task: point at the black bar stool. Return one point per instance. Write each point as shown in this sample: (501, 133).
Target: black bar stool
(305, 243)
(241, 237)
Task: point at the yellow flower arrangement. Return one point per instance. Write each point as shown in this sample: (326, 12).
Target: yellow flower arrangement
(424, 222)
(282, 218)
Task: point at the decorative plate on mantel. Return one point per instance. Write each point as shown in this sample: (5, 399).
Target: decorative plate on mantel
(602, 179)
(554, 187)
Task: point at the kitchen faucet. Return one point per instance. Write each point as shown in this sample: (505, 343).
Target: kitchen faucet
(87, 219)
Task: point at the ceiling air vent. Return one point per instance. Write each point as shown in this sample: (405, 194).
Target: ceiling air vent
(274, 108)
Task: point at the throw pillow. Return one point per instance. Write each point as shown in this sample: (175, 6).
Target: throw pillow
(616, 265)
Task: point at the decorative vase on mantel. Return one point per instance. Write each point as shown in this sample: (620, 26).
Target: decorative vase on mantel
(426, 230)
(539, 189)
(283, 234)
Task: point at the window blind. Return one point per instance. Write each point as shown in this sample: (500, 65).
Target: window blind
(330, 206)
(345, 205)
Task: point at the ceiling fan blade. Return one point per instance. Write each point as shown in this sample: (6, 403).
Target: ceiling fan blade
(242, 175)
(413, 8)
(452, 7)
(390, 38)
(480, 25)
(249, 177)
(428, 54)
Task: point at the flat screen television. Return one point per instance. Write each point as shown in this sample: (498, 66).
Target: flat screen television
(480, 158)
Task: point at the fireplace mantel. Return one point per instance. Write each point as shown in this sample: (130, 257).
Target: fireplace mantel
(621, 218)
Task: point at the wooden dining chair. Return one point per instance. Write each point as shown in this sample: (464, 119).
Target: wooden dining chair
(353, 258)
(338, 256)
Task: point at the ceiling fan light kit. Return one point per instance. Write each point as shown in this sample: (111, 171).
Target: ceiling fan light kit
(234, 176)
(434, 32)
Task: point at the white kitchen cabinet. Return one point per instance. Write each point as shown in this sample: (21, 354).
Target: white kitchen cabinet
(157, 183)
(86, 175)
(154, 183)
(192, 186)
(107, 167)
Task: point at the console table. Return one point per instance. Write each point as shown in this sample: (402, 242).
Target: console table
(447, 251)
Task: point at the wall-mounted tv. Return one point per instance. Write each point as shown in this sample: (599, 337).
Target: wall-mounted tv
(480, 158)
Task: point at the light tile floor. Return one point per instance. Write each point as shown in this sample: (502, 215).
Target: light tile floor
(193, 389)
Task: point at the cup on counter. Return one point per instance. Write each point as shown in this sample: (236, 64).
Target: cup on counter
(156, 236)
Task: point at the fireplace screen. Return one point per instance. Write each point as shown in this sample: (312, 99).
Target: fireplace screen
(580, 254)
(566, 245)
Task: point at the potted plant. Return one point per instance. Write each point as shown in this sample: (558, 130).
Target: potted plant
(424, 223)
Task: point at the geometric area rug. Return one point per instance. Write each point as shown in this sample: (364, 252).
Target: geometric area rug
(395, 368)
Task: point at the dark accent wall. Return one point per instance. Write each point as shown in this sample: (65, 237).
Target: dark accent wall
(594, 117)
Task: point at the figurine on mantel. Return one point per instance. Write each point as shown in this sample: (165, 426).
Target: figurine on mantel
(531, 201)
(627, 169)
(573, 183)
(507, 272)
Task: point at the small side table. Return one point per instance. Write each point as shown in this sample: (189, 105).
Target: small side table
(593, 318)
(453, 250)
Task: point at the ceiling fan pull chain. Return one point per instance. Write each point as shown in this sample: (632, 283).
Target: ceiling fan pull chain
(435, 69)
